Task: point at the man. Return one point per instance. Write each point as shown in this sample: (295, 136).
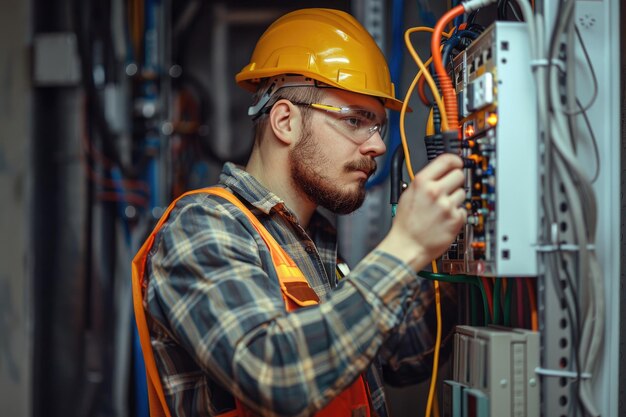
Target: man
(218, 326)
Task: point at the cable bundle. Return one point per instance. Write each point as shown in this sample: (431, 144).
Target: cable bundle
(569, 201)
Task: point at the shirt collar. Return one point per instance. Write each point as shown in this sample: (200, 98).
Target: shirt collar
(248, 187)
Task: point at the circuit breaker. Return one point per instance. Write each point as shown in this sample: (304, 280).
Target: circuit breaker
(497, 111)
(493, 373)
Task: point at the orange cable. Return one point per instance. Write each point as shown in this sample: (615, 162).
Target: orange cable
(447, 89)
(533, 304)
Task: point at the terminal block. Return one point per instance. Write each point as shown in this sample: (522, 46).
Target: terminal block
(497, 112)
(493, 373)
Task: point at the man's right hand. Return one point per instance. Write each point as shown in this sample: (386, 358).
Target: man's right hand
(429, 214)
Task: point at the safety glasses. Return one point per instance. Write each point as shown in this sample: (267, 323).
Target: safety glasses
(357, 124)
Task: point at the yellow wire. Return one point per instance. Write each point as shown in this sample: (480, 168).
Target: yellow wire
(409, 93)
(425, 72)
(405, 146)
(407, 159)
(433, 378)
(430, 123)
(436, 406)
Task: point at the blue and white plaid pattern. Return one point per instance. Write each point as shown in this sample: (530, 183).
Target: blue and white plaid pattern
(218, 324)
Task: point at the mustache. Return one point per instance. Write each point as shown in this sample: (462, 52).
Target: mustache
(365, 164)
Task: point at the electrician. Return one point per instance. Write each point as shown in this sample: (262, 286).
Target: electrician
(232, 327)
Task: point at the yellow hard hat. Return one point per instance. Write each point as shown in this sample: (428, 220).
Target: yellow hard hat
(327, 45)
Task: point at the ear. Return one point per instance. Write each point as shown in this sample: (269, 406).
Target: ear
(285, 119)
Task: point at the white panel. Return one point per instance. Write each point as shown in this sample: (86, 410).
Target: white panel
(599, 27)
(517, 199)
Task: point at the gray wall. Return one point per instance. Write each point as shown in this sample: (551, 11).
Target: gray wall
(15, 186)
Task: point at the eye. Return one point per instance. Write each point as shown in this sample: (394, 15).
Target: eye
(354, 122)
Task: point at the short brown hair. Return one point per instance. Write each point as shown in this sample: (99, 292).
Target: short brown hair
(307, 94)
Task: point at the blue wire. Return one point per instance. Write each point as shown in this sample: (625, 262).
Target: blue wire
(395, 69)
(460, 18)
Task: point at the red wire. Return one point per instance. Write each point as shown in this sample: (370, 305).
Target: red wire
(421, 92)
(520, 302)
(533, 304)
(489, 295)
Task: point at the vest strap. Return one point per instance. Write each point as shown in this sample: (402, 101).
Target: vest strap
(296, 293)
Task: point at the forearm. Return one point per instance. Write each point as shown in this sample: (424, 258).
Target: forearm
(289, 363)
(408, 355)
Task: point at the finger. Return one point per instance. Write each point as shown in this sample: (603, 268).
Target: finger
(462, 216)
(452, 181)
(441, 165)
(457, 198)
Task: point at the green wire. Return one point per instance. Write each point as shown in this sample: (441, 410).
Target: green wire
(458, 279)
(496, 300)
(485, 303)
(463, 279)
(474, 312)
(507, 304)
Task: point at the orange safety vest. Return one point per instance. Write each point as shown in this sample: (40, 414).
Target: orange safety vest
(352, 402)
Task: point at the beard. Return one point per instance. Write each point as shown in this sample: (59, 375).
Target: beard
(307, 160)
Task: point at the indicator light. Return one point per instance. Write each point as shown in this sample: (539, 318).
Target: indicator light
(492, 119)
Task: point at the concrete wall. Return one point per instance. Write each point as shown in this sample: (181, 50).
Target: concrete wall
(15, 207)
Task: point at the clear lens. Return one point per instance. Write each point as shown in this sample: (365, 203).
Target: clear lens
(357, 124)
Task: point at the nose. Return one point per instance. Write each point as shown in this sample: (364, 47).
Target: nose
(374, 146)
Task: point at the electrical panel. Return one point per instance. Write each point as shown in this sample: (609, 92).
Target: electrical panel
(493, 373)
(497, 101)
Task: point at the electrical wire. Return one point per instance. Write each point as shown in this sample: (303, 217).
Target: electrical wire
(596, 151)
(594, 78)
(473, 310)
(534, 322)
(475, 284)
(517, 16)
(431, 83)
(583, 214)
(453, 42)
(497, 290)
(424, 72)
(488, 296)
(436, 406)
(507, 302)
(449, 95)
(520, 303)
(562, 167)
(433, 378)
(421, 93)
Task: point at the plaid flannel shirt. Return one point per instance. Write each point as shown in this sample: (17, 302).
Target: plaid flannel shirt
(218, 324)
